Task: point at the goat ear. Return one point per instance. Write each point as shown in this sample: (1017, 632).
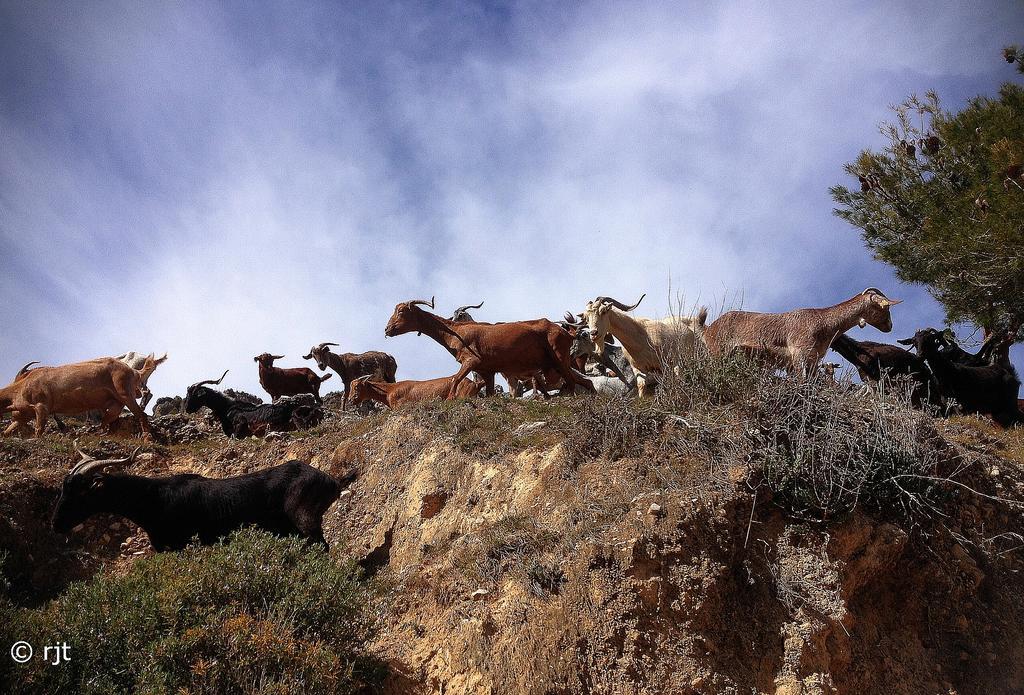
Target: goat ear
(308, 357)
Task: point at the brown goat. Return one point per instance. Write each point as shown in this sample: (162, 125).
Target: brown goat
(351, 366)
(288, 382)
(105, 384)
(399, 393)
(797, 340)
(517, 347)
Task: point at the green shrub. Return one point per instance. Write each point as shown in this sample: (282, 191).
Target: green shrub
(255, 614)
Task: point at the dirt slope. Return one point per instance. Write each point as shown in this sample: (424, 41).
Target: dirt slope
(513, 565)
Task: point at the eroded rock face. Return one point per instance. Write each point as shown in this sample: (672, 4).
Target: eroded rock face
(695, 595)
(533, 572)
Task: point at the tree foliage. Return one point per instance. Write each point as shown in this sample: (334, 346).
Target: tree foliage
(943, 203)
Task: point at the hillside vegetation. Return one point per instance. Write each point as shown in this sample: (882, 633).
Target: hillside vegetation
(739, 532)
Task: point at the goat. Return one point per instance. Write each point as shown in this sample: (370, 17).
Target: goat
(288, 499)
(610, 357)
(460, 315)
(877, 360)
(517, 347)
(137, 361)
(288, 382)
(797, 340)
(995, 349)
(644, 341)
(241, 419)
(351, 366)
(991, 389)
(609, 385)
(582, 349)
(399, 393)
(105, 384)
(516, 384)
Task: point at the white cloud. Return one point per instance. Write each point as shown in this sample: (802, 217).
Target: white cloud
(216, 186)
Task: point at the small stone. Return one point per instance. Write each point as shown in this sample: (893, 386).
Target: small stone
(345, 494)
(654, 509)
(528, 427)
(479, 594)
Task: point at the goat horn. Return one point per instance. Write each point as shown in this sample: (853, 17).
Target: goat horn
(277, 357)
(81, 453)
(84, 467)
(874, 290)
(619, 305)
(423, 302)
(326, 344)
(569, 318)
(25, 368)
(469, 306)
(212, 381)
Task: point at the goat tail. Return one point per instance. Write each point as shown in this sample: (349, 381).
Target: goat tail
(702, 317)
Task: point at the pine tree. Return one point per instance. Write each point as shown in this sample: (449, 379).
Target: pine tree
(943, 203)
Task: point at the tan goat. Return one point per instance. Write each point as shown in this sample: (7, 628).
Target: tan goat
(409, 391)
(797, 340)
(105, 384)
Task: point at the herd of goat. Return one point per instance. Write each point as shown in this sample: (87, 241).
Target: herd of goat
(604, 348)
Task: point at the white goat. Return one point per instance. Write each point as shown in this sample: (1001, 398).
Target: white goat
(644, 341)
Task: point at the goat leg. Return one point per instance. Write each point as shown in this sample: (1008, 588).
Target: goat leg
(41, 416)
(457, 379)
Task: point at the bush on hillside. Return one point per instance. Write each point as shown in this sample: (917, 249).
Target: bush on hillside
(822, 447)
(255, 614)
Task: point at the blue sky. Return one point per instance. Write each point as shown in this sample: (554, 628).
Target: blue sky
(216, 181)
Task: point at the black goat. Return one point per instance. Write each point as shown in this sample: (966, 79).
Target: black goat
(289, 499)
(990, 389)
(875, 360)
(995, 349)
(241, 419)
